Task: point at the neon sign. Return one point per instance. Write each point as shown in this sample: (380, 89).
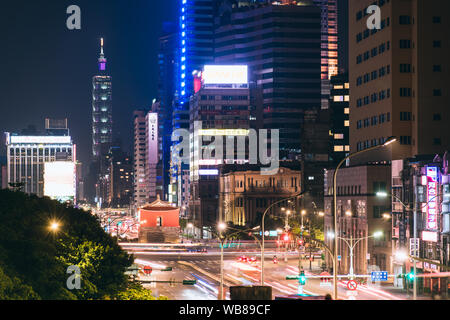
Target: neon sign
(432, 200)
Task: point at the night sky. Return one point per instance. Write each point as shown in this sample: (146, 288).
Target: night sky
(46, 70)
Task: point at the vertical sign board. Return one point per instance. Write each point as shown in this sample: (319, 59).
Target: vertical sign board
(432, 199)
(153, 150)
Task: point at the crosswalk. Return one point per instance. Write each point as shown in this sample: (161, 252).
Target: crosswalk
(159, 264)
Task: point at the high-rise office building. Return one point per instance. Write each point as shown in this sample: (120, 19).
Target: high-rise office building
(168, 64)
(195, 48)
(220, 108)
(101, 131)
(120, 190)
(29, 155)
(329, 46)
(281, 44)
(340, 117)
(398, 78)
(101, 109)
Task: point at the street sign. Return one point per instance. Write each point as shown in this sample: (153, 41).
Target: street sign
(339, 258)
(167, 269)
(352, 285)
(148, 270)
(379, 276)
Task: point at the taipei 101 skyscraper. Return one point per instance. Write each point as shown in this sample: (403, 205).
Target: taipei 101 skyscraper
(101, 109)
(102, 124)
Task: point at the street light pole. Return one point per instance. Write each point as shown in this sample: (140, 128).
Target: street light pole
(263, 235)
(388, 141)
(416, 253)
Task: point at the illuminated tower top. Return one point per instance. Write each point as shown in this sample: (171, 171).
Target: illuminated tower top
(102, 59)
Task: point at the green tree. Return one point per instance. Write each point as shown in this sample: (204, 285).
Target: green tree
(36, 260)
(14, 289)
(136, 292)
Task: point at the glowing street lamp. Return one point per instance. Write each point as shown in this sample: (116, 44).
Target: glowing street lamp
(54, 226)
(221, 226)
(389, 141)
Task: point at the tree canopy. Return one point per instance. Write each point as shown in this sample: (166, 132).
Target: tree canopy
(34, 259)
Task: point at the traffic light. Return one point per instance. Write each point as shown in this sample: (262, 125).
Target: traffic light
(189, 282)
(410, 276)
(302, 278)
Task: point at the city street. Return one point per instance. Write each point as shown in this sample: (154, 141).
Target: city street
(205, 268)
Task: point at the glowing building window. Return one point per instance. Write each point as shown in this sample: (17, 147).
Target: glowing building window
(347, 86)
(347, 110)
(347, 123)
(339, 136)
(347, 98)
(338, 98)
(338, 148)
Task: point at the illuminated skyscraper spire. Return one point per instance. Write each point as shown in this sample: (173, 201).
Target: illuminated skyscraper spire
(102, 59)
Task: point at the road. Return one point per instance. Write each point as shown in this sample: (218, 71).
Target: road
(205, 268)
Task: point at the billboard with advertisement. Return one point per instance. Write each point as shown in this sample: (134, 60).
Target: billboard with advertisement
(59, 180)
(432, 198)
(232, 74)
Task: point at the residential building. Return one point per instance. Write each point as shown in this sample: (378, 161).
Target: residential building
(360, 215)
(120, 191)
(398, 78)
(141, 188)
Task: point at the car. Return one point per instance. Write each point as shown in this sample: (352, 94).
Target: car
(252, 260)
(243, 259)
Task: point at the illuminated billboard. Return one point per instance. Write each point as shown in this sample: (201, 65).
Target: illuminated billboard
(432, 197)
(208, 172)
(225, 74)
(59, 180)
(40, 139)
(429, 236)
(223, 132)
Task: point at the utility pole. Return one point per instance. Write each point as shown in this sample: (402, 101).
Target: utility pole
(416, 253)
